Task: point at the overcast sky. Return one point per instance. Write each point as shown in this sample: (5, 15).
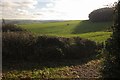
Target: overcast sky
(50, 9)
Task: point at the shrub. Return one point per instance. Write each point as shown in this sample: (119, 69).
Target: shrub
(48, 47)
(81, 48)
(11, 28)
(17, 46)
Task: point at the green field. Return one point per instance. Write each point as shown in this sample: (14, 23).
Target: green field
(84, 28)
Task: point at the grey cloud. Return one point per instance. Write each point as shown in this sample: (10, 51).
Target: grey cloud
(20, 3)
(37, 14)
(13, 8)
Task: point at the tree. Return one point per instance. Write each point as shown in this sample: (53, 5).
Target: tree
(101, 15)
(111, 66)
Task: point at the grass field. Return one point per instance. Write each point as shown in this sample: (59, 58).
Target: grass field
(84, 28)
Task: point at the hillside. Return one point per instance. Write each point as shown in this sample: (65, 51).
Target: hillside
(86, 29)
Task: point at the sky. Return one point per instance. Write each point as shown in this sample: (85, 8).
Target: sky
(50, 9)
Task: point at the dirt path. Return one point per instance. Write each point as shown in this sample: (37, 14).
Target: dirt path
(88, 70)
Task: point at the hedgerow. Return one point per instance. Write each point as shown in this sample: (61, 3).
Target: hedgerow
(11, 28)
(24, 46)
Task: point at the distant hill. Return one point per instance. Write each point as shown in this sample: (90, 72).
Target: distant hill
(16, 21)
